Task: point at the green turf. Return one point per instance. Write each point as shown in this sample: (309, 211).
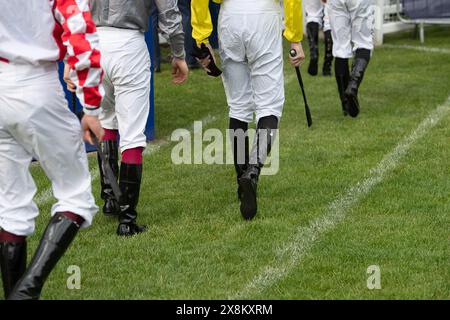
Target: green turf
(198, 246)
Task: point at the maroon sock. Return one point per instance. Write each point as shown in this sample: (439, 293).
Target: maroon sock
(110, 134)
(6, 236)
(74, 217)
(132, 156)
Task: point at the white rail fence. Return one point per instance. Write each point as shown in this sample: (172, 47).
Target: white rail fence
(389, 18)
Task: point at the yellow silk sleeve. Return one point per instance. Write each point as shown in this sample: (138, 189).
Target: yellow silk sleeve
(201, 21)
(293, 17)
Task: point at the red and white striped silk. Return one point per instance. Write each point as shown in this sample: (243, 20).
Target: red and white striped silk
(48, 31)
(79, 36)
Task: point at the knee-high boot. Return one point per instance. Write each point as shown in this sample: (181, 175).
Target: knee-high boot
(57, 237)
(265, 136)
(342, 75)
(130, 185)
(312, 30)
(328, 60)
(13, 261)
(240, 147)
(110, 149)
(360, 63)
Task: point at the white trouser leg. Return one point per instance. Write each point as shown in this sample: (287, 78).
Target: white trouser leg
(17, 188)
(362, 13)
(35, 121)
(326, 19)
(108, 117)
(237, 84)
(126, 62)
(265, 59)
(253, 64)
(236, 73)
(352, 26)
(341, 31)
(314, 11)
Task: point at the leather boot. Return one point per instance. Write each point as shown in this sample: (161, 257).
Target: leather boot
(360, 63)
(110, 149)
(342, 75)
(312, 29)
(13, 261)
(240, 146)
(240, 169)
(341, 83)
(56, 239)
(130, 185)
(328, 60)
(248, 182)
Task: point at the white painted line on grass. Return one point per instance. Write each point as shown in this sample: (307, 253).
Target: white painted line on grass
(417, 48)
(304, 238)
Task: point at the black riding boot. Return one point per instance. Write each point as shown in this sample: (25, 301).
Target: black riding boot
(13, 261)
(342, 75)
(130, 185)
(360, 63)
(328, 60)
(110, 149)
(56, 239)
(312, 29)
(240, 147)
(265, 136)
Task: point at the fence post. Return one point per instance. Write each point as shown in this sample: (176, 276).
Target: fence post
(422, 32)
(379, 19)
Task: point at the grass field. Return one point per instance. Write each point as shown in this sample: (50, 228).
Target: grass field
(350, 193)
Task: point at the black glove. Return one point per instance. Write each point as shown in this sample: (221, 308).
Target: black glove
(203, 53)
